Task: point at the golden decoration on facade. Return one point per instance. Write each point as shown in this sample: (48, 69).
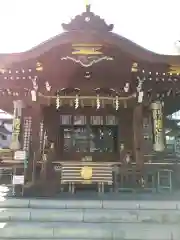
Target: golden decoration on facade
(158, 135)
(87, 54)
(158, 119)
(134, 67)
(16, 129)
(86, 172)
(39, 67)
(86, 61)
(174, 69)
(86, 49)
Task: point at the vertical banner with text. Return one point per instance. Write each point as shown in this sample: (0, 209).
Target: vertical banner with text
(158, 133)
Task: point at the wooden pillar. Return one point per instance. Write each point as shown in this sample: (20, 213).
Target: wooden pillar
(35, 144)
(26, 139)
(126, 128)
(50, 128)
(138, 134)
(31, 138)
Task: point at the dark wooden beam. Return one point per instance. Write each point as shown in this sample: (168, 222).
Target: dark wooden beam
(138, 134)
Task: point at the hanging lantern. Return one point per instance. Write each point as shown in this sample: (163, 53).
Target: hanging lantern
(98, 102)
(76, 102)
(117, 103)
(58, 102)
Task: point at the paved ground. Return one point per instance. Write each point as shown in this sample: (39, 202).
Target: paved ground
(122, 196)
(6, 191)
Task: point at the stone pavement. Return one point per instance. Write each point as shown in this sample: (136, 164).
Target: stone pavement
(88, 219)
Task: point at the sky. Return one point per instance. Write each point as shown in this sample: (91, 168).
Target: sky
(153, 24)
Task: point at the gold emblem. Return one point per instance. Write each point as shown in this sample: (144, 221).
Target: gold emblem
(86, 173)
(87, 49)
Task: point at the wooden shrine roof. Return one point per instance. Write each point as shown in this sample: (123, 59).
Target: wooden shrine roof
(124, 44)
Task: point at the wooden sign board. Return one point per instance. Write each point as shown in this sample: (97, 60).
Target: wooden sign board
(20, 155)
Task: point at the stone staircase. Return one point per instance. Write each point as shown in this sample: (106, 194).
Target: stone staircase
(88, 219)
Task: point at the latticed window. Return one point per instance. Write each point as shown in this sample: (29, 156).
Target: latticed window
(111, 120)
(89, 134)
(66, 119)
(96, 120)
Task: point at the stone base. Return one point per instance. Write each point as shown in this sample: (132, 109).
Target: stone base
(41, 189)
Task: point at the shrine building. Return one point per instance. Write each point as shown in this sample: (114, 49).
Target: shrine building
(89, 110)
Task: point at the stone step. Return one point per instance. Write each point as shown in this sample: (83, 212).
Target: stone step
(88, 219)
(89, 204)
(114, 231)
(90, 215)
